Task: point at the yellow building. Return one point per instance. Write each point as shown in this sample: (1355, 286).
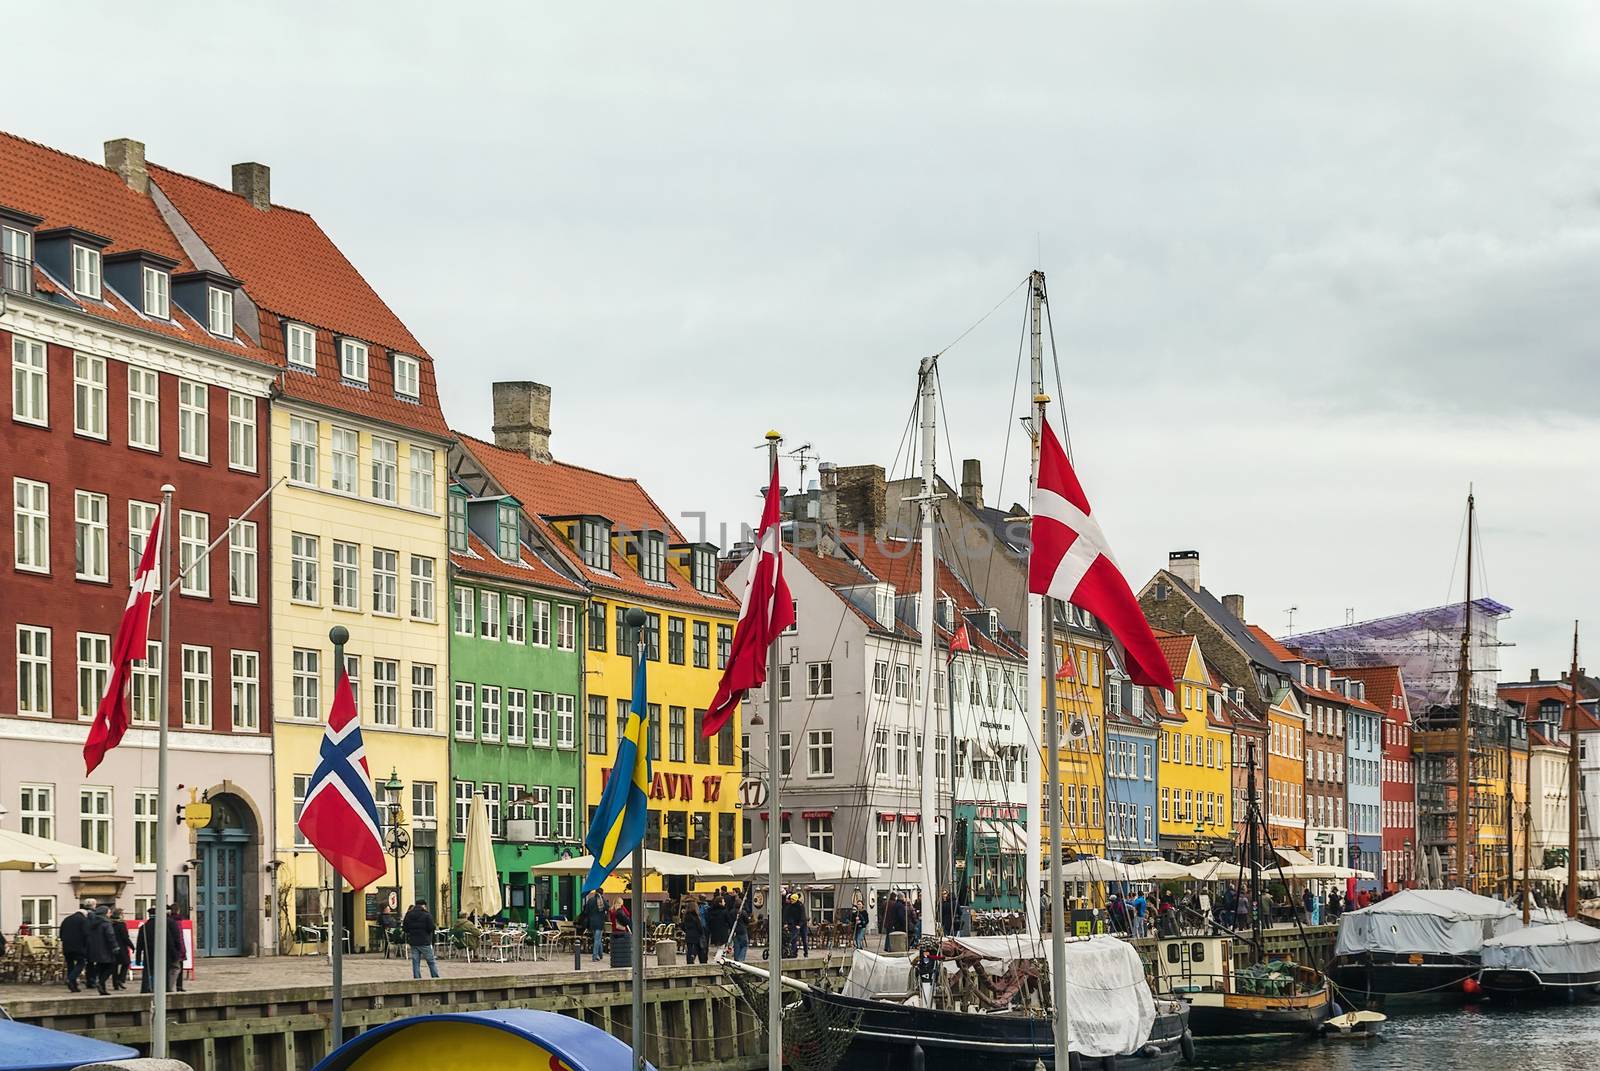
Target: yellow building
(1080, 711)
(1196, 758)
(615, 537)
(357, 532)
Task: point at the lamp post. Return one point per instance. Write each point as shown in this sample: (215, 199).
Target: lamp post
(398, 841)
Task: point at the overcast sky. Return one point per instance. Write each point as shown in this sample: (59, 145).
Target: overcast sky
(1312, 271)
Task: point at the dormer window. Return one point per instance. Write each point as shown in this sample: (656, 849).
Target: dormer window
(407, 377)
(653, 557)
(353, 361)
(704, 566)
(219, 311)
(507, 531)
(157, 296)
(16, 246)
(86, 271)
(300, 347)
(458, 520)
(594, 544)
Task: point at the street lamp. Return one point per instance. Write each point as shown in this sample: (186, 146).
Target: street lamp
(398, 843)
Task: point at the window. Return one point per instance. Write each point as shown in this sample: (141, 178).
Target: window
(597, 725)
(219, 311)
(564, 814)
(306, 683)
(652, 637)
(29, 401)
(491, 800)
(353, 361)
(421, 588)
(539, 624)
(194, 565)
(653, 557)
(705, 570)
(540, 731)
(885, 833)
(902, 844)
(196, 687)
(193, 421)
(421, 472)
(819, 833)
(596, 625)
(424, 805)
(566, 628)
(407, 377)
(145, 828)
(17, 246)
(246, 677)
(94, 819)
(675, 641)
(880, 678)
(676, 717)
(902, 754)
(465, 711)
(463, 599)
(89, 395)
(702, 645)
(300, 343)
(724, 645)
(385, 691)
(422, 678)
(241, 432)
(385, 468)
(902, 682)
(463, 807)
(785, 754)
(385, 582)
(566, 722)
(538, 797)
(86, 271)
(303, 566)
(157, 286)
(31, 517)
(819, 680)
(595, 544)
(489, 615)
(38, 810)
(880, 751)
(516, 716)
(346, 451)
(819, 753)
(144, 409)
(39, 914)
(242, 570)
(90, 536)
(145, 690)
(94, 670)
(303, 451)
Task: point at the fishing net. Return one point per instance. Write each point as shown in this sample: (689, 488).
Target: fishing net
(815, 1034)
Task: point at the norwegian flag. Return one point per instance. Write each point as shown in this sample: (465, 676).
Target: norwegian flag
(1071, 561)
(767, 609)
(340, 817)
(133, 636)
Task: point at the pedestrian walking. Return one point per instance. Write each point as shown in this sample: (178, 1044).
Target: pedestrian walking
(595, 915)
(102, 944)
(74, 934)
(419, 928)
(858, 922)
(119, 926)
(1141, 907)
(741, 931)
(694, 931)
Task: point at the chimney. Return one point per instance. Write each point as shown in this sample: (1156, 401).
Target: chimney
(126, 157)
(522, 418)
(1234, 604)
(859, 497)
(253, 182)
(972, 482)
(1185, 565)
(1533, 676)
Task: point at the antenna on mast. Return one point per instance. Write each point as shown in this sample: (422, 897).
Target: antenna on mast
(1291, 611)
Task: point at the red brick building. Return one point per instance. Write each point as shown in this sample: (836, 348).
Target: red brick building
(127, 370)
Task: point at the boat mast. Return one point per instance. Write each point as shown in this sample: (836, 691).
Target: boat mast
(1572, 783)
(930, 728)
(1034, 815)
(1252, 846)
(775, 826)
(1464, 722)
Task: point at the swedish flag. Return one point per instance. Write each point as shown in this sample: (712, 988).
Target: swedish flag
(619, 820)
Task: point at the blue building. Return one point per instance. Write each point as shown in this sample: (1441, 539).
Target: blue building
(1130, 764)
(1363, 749)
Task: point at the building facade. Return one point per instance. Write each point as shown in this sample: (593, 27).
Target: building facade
(1384, 687)
(1286, 770)
(127, 371)
(516, 683)
(1195, 778)
(1363, 739)
(1132, 736)
(1544, 705)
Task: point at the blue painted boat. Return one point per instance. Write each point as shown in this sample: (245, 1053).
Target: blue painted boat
(24, 1047)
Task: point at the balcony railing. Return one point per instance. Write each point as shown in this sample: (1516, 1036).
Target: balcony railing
(16, 274)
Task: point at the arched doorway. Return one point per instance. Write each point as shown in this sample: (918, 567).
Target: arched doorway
(225, 849)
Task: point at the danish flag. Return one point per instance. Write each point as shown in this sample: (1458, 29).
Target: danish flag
(767, 609)
(133, 636)
(1072, 561)
(340, 817)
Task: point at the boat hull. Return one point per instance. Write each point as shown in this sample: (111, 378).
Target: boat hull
(1378, 978)
(889, 1035)
(1531, 987)
(1241, 1016)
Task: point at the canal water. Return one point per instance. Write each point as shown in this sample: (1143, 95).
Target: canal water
(1459, 1039)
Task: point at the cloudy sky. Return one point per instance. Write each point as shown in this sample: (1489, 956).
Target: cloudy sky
(1312, 272)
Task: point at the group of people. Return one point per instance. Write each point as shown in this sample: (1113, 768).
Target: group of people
(99, 951)
(716, 922)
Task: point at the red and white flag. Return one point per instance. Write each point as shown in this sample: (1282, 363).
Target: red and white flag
(133, 635)
(767, 609)
(961, 641)
(1071, 561)
(340, 816)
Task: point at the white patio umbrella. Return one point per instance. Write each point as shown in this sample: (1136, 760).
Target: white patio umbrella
(1158, 870)
(665, 864)
(480, 878)
(1213, 870)
(24, 851)
(1093, 868)
(803, 864)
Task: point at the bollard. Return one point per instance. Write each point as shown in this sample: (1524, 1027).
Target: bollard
(896, 942)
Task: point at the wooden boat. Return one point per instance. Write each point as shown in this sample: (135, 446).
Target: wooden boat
(1355, 1026)
(1265, 999)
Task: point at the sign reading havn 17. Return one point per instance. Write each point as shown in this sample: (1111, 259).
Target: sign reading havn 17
(679, 786)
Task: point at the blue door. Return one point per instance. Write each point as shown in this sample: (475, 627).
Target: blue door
(218, 901)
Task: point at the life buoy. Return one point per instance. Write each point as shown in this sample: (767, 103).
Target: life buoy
(1186, 1043)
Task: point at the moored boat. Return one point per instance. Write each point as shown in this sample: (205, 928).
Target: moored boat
(1420, 944)
(1264, 999)
(1555, 962)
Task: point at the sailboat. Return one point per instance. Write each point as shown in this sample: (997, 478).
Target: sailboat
(1264, 999)
(993, 1002)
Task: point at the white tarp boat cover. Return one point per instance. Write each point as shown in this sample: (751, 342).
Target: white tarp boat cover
(1109, 1007)
(875, 977)
(1566, 947)
(1440, 921)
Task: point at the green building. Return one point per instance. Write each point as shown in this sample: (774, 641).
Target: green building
(516, 675)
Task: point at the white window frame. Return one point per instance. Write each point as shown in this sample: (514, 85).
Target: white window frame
(36, 807)
(566, 714)
(305, 565)
(300, 347)
(156, 293)
(196, 669)
(385, 470)
(565, 812)
(194, 421)
(143, 700)
(421, 478)
(353, 356)
(386, 692)
(539, 719)
(94, 671)
(31, 524)
(30, 382)
(304, 446)
(241, 432)
(95, 812)
(567, 627)
(423, 696)
(344, 465)
(539, 623)
(819, 753)
(89, 395)
(516, 716)
(219, 311)
(516, 619)
(144, 409)
(243, 561)
(194, 534)
(424, 606)
(91, 535)
(407, 377)
(306, 684)
(464, 601)
(244, 676)
(819, 680)
(385, 582)
(346, 570)
(464, 710)
(489, 713)
(87, 270)
(489, 614)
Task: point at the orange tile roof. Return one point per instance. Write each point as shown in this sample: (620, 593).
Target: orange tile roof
(1382, 683)
(481, 561)
(1176, 650)
(69, 191)
(376, 401)
(1274, 648)
(556, 489)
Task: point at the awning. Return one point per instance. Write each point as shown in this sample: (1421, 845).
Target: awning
(1290, 857)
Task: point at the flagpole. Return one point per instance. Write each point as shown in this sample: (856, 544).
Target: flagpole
(635, 620)
(774, 825)
(340, 636)
(1034, 815)
(156, 943)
